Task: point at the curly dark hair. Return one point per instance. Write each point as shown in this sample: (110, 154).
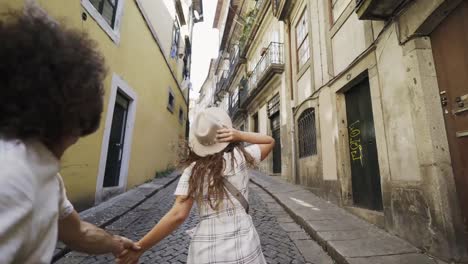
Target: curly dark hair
(50, 79)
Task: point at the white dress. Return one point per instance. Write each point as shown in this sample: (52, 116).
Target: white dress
(227, 236)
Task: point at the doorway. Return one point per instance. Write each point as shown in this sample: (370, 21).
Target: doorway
(116, 141)
(275, 126)
(276, 134)
(450, 49)
(365, 172)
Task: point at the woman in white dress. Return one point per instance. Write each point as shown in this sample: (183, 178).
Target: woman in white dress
(216, 177)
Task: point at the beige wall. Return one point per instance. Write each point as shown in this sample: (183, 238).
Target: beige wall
(417, 185)
(328, 124)
(348, 43)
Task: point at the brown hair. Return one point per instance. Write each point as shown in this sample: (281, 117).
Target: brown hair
(50, 79)
(209, 171)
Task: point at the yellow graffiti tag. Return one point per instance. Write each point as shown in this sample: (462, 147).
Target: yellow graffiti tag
(355, 142)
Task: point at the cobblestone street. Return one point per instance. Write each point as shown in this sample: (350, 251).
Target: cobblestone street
(282, 240)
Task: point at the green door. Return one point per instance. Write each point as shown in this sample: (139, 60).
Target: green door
(362, 148)
(116, 142)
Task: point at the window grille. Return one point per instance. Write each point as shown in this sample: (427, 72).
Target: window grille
(307, 138)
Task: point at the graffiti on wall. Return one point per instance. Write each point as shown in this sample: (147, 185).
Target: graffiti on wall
(355, 145)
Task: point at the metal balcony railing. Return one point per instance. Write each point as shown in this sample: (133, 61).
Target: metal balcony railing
(273, 56)
(237, 101)
(233, 63)
(221, 81)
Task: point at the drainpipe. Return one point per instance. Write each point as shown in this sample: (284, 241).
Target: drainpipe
(187, 123)
(293, 125)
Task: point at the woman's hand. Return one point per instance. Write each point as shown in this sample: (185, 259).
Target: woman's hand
(228, 135)
(129, 257)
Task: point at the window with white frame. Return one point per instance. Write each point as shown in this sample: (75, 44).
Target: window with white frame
(107, 13)
(175, 39)
(302, 41)
(107, 9)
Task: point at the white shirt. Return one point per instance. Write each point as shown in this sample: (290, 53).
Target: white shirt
(32, 199)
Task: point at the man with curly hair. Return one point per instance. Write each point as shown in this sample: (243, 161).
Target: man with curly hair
(51, 94)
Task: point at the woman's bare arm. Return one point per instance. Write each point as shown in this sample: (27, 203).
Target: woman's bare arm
(266, 143)
(170, 222)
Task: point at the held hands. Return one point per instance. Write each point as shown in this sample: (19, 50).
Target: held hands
(125, 245)
(228, 135)
(129, 256)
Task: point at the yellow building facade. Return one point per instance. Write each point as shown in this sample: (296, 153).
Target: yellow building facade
(145, 110)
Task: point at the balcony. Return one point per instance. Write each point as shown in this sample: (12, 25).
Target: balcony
(271, 63)
(378, 9)
(237, 100)
(253, 21)
(282, 8)
(227, 75)
(223, 76)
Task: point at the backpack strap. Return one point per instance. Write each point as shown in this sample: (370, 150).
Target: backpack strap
(237, 194)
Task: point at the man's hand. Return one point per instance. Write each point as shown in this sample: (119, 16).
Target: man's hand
(124, 244)
(88, 238)
(129, 257)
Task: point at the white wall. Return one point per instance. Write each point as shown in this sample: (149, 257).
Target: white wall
(400, 133)
(328, 132)
(304, 87)
(263, 120)
(348, 43)
(338, 8)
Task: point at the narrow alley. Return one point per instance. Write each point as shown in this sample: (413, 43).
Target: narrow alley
(345, 121)
(282, 240)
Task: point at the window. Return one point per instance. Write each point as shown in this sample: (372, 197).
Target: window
(107, 9)
(107, 14)
(235, 98)
(175, 39)
(255, 122)
(306, 133)
(181, 115)
(171, 101)
(302, 41)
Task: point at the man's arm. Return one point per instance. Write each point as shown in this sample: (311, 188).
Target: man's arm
(88, 238)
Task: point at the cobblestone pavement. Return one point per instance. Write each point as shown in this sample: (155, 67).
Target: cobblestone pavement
(282, 240)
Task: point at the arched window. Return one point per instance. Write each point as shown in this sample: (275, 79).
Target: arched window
(307, 137)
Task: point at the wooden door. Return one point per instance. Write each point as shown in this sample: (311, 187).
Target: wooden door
(450, 48)
(116, 142)
(365, 170)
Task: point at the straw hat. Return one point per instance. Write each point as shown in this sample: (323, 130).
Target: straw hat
(204, 129)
